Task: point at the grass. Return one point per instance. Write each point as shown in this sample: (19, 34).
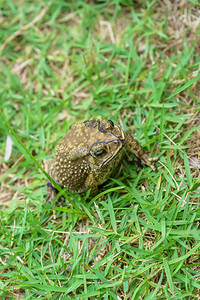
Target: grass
(137, 64)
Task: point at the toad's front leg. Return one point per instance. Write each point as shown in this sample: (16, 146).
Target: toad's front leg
(134, 147)
(91, 183)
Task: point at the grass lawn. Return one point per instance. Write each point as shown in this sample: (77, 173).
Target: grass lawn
(136, 63)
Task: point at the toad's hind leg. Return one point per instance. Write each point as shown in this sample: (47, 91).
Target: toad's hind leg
(134, 147)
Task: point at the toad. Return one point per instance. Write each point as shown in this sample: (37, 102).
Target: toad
(87, 155)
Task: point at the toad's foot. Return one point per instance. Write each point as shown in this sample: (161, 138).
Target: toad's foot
(149, 161)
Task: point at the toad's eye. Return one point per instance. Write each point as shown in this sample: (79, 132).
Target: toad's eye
(99, 152)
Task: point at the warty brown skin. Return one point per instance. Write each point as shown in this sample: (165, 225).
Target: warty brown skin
(87, 155)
